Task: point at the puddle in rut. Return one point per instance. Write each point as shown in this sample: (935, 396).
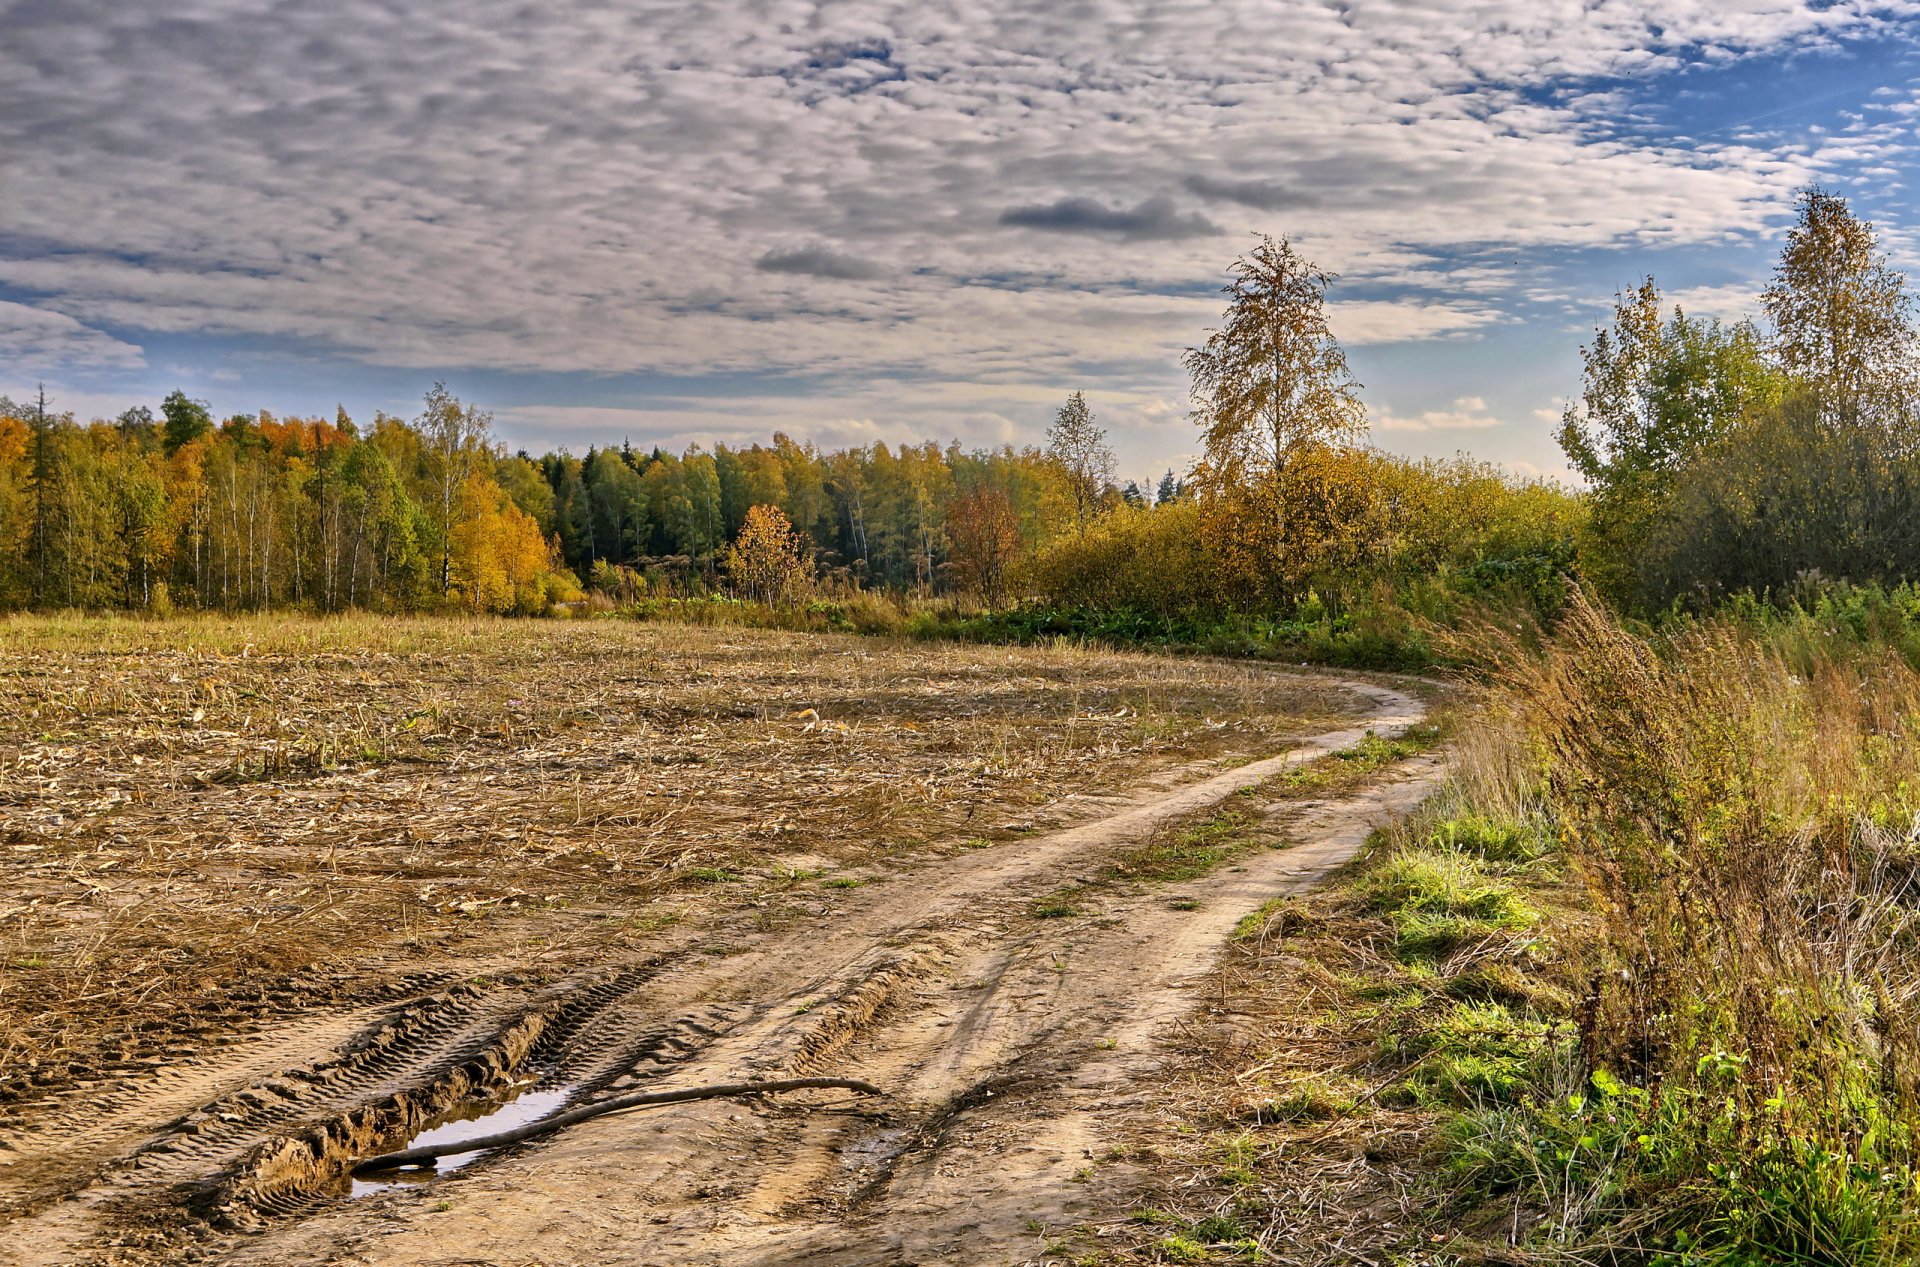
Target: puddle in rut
(471, 1121)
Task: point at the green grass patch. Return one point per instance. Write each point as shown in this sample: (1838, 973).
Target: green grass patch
(1062, 903)
(1187, 853)
(1349, 766)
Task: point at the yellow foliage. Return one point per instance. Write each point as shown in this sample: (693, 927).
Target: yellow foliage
(765, 560)
(1270, 536)
(500, 562)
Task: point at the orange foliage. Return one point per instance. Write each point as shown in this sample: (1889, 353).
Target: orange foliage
(13, 440)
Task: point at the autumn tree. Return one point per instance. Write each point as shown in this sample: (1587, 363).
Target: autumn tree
(455, 438)
(1276, 404)
(765, 560)
(1079, 448)
(1842, 318)
(983, 532)
(499, 561)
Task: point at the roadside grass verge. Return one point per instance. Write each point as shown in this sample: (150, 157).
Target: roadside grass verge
(1641, 987)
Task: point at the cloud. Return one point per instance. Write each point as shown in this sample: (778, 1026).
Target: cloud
(1154, 220)
(1361, 322)
(1731, 302)
(36, 338)
(1469, 413)
(568, 187)
(1264, 195)
(818, 261)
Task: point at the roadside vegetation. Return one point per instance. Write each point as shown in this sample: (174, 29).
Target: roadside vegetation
(1639, 987)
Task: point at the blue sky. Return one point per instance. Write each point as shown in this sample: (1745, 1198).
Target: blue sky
(869, 220)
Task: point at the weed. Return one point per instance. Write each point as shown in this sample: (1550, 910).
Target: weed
(1059, 904)
(1179, 854)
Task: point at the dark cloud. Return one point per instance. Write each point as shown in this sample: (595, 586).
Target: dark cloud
(818, 261)
(1262, 195)
(1154, 220)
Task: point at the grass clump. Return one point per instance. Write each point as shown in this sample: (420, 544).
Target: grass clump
(1189, 852)
(1442, 901)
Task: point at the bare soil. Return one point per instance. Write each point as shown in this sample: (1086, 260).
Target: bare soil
(914, 865)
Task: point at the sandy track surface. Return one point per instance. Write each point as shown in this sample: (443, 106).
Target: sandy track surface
(1004, 1040)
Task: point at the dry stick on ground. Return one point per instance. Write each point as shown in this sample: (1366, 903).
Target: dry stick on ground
(639, 1100)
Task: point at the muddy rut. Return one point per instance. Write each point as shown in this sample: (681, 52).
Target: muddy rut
(1005, 1042)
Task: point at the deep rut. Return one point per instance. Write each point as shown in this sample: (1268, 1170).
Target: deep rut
(1002, 1037)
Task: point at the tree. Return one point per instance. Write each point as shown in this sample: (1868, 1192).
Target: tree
(455, 436)
(1655, 396)
(1843, 321)
(1278, 410)
(765, 560)
(187, 420)
(1080, 449)
(44, 471)
(135, 423)
(500, 561)
(983, 532)
(1170, 490)
(1272, 379)
(618, 502)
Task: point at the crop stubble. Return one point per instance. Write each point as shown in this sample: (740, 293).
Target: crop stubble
(208, 824)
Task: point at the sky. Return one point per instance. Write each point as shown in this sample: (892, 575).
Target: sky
(861, 221)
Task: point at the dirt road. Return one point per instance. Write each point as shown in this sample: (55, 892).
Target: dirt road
(1007, 1024)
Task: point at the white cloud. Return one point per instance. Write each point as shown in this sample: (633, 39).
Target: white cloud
(1730, 302)
(1469, 413)
(993, 192)
(36, 339)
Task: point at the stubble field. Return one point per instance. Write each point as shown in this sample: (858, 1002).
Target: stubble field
(282, 893)
(207, 821)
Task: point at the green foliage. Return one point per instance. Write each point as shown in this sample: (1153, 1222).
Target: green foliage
(1792, 498)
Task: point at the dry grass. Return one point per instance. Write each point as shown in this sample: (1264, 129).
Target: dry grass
(1640, 986)
(207, 820)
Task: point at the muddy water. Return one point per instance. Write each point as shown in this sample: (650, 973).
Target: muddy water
(473, 1121)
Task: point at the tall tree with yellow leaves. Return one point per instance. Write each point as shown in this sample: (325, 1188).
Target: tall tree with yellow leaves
(1277, 406)
(1842, 318)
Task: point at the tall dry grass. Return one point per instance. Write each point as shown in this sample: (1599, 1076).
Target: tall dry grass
(1743, 813)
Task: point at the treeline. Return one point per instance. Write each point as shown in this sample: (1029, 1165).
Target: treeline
(1721, 459)
(160, 511)
(152, 512)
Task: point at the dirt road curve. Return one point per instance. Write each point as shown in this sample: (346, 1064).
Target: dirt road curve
(1005, 1042)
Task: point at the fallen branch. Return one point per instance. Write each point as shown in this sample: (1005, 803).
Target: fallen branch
(638, 1100)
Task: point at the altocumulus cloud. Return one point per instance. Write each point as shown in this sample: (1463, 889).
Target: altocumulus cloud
(999, 193)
